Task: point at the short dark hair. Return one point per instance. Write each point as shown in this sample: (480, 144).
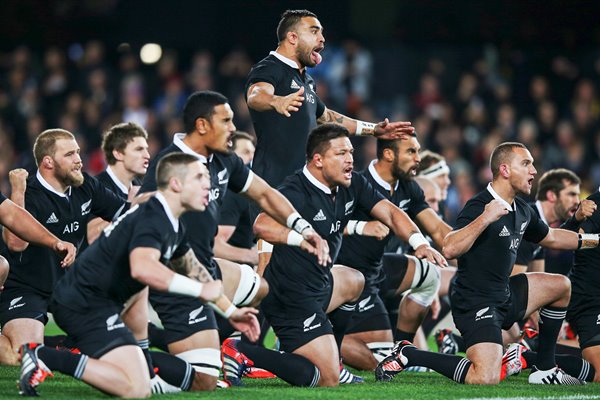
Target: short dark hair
(288, 21)
(241, 135)
(200, 105)
(117, 137)
(383, 144)
(319, 138)
(501, 155)
(172, 165)
(554, 180)
(45, 143)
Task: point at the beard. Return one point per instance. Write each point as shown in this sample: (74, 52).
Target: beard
(303, 55)
(400, 174)
(71, 178)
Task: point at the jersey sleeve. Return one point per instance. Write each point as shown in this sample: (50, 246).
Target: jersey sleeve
(264, 72)
(537, 229)
(240, 173)
(106, 204)
(320, 107)
(366, 194)
(2, 197)
(149, 182)
(418, 202)
(292, 192)
(469, 213)
(147, 233)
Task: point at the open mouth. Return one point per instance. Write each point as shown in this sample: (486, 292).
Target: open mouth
(348, 172)
(315, 55)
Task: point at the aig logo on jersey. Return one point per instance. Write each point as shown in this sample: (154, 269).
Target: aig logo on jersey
(213, 194)
(85, 207)
(308, 321)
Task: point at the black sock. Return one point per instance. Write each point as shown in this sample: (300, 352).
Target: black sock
(157, 337)
(63, 361)
(401, 335)
(225, 328)
(568, 350)
(173, 370)
(264, 329)
(292, 368)
(551, 319)
(144, 346)
(462, 347)
(340, 318)
(54, 341)
(451, 366)
(428, 323)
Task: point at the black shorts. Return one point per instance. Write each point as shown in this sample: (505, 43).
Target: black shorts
(298, 322)
(94, 331)
(181, 316)
(586, 324)
(22, 302)
(394, 270)
(485, 324)
(370, 314)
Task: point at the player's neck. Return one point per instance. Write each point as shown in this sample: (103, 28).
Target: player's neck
(504, 190)
(318, 175)
(123, 175)
(290, 53)
(549, 214)
(53, 181)
(174, 202)
(194, 142)
(385, 172)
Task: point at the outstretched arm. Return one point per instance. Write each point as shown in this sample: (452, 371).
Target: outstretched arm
(384, 129)
(261, 97)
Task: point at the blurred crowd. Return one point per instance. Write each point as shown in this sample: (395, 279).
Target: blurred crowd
(462, 101)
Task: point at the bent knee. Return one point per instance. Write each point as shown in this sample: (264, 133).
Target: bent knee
(483, 377)
(203, 382)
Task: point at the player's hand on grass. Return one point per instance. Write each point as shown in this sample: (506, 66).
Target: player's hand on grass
(244, 320)
(314, 244)
(431, 254)
(69, 251)
(392, 130)
(585, 210)
(376, 229)
(286, 105)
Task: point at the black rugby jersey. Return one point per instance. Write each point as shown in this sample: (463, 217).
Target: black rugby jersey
(235, 211)
(529, 251)
(292, 270)
(109, 180)
(2, 197)
(364, 253)
(281, 140)
(66, 216)
(227, 172)
(585, 274)
(102, 275)
(483, 271)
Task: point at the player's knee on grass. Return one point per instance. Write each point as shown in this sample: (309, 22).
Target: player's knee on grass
(426, 282)
(207, 364)
(251, 288)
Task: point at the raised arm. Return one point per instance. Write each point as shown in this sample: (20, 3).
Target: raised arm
(434, 226)
(261, 97)
(458, 242)
(384, 129)
(406, 230)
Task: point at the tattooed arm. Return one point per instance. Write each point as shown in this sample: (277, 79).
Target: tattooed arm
(189, 266)
(384, 129)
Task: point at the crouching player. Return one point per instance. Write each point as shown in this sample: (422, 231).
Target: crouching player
(132, 253)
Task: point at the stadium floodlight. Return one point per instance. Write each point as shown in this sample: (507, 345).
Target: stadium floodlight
(150, 53)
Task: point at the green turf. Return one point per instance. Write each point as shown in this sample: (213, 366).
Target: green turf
(407, 385)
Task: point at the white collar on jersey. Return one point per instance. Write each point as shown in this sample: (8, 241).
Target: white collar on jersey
(497, 197)
(315, 181)
(50, 188)
(379, 179)
(178, 141)
(174, 221)
(285, 60)
(538, 205)
(116, 180)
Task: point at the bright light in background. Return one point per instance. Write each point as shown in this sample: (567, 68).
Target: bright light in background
(150, 53)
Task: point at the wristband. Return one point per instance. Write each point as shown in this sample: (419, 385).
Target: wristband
(587, 240)
(294, 238)
(297, 223)
(183, 285)
(225, 314)
(363, 127)
(356, 227)
(416, 240)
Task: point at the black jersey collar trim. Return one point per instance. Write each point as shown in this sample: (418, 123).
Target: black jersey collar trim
(538, 205)
(497, 197)
(50, 188)
(315, 181)
(285, 60)
(379, 179)
(174, 221)
(116, 180)
(178, 141)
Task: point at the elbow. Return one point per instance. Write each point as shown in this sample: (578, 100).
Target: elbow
(260, 227)
(449, 252)
(16, 245)
(138, 273)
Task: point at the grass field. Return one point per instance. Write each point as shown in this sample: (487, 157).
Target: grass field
(407, 385)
